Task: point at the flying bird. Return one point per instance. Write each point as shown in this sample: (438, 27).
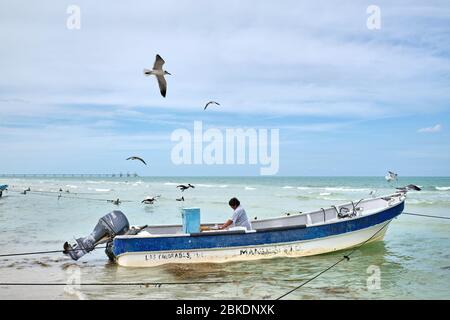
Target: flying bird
(184, 187)
(150, 200)
(159, 73)
(137, 158)
(180, 199)
(391, 176)
(211, 102)
(409, 187)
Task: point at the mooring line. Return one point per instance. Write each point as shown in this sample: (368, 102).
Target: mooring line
(67, 197)
(426, 215)
(43, 252)
(59, 192)
(158, 284)
(345, 257)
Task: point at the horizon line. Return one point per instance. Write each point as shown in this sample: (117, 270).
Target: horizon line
(136, 175)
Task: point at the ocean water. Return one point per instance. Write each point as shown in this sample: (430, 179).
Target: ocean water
(413, 261)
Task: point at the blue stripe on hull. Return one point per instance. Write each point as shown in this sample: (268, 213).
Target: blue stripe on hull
(250, 239)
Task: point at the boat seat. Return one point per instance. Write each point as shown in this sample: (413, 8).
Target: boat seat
(216, 233)
(237, 228)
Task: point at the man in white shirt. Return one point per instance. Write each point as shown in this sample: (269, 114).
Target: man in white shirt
(239, 218)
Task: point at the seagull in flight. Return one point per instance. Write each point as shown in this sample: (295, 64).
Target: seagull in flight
(211, 102)
(409, 187)
(159, 73)
(391, 176)
(150, 200)
(184, 187)
(137, 158)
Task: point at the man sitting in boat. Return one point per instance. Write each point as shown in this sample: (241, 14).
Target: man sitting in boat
(239, 218)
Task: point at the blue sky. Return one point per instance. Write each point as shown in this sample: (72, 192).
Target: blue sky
(347, 100)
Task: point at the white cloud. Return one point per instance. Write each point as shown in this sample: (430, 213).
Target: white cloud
(292, 59)
(311, 67)
(432, 129)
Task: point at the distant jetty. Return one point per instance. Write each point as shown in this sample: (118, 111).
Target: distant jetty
(68, 175)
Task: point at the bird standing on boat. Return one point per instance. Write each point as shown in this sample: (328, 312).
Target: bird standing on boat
(209, 103)
(159, 73)
(184, 187)
(391, 176)
(137, 158)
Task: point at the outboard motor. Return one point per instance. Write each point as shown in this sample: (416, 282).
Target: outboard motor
(113, 224)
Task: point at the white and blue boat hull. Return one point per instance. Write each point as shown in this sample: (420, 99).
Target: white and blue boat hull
(280, 237)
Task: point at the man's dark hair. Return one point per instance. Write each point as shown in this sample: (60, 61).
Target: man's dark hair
(234, 202)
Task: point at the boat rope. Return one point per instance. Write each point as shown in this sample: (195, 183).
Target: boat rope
(60, 195)
(58, 192)
(345, 257)
(146, 284)
(426, 215)
(43, 252)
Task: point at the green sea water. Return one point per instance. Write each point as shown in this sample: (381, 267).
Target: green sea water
(413, 261)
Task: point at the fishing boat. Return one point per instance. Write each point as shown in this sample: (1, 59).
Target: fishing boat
(297, 235)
